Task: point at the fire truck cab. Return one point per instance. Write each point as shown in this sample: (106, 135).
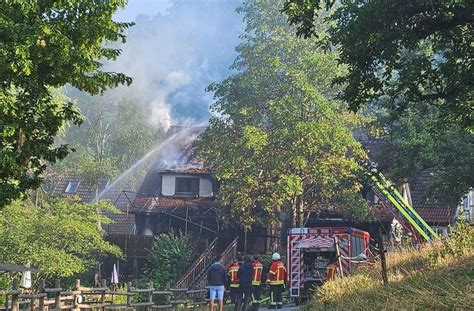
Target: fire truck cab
(311, 250)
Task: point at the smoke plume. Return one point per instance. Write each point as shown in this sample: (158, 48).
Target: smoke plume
(173, 56)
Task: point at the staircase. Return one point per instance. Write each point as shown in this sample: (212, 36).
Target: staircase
(399, 206)
(196, 275)
(228, 256)
(200, 264)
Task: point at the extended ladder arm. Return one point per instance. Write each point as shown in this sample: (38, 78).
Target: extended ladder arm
(400, 205)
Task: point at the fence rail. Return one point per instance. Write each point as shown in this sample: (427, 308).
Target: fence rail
(100, 298)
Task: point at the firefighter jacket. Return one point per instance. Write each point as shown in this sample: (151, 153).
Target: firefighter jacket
(257, 268)
(277, 273)
(233, 277)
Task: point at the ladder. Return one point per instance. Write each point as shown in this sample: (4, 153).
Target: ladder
(399, 206)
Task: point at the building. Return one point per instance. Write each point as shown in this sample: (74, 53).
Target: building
(70, 185)
(439, 215)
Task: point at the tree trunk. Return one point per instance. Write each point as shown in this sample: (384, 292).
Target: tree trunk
(298, 207)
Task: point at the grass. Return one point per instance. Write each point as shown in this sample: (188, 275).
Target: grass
(429, 278)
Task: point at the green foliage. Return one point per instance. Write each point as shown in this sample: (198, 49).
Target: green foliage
(278, 136)
(458, 243)
(419, 52)
(45, 45)
(169, 257)
(60, 238)
(415, 142)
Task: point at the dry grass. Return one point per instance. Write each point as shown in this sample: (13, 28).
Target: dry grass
(418, 280)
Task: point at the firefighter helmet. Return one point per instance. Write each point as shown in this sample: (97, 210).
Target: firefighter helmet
(276, 256)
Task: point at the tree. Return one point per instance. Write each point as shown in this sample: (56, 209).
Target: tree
(60, 238)
(278, 138)
(132, 136)
(113, 137)
(414, 143)
(45, 45)
(418, 52)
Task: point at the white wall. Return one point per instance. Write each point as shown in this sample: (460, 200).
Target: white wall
(168, 185)
(467, 206)
(205, 187)
(169, 182)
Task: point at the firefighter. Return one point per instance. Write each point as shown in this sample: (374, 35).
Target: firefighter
(245, 285)
(276, 279)
(257, 268)
(331, 270)
(234, 280)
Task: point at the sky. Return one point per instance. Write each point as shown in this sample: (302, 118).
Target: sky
(175, 50)
(144, 7)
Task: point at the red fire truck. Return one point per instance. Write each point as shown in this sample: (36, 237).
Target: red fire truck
(311, 250)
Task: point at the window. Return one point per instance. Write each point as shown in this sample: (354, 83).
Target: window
(72, 186)
(188, 186)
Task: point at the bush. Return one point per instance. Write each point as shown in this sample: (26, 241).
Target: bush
(169, 256)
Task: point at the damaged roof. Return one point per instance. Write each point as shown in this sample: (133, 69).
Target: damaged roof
(158, 204)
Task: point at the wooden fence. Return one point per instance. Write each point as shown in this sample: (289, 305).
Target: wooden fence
(100, 298)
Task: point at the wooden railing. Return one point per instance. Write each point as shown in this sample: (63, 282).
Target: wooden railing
(200, 264)
(227, 257)
(100, 298)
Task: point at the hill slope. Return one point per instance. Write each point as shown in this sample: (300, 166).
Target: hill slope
(435, 277)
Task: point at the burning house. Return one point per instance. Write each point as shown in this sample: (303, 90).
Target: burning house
(178, 194)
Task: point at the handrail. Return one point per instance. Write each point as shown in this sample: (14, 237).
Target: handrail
(227, 256)
(226, 259)
(201, 262)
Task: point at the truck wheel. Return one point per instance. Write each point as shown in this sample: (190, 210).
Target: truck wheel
(299, 301)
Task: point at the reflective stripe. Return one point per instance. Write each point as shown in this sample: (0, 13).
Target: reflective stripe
(232, 272)
(279, 270)
(272, 301)
(257, 273)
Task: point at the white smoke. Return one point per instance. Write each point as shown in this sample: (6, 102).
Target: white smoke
(173, 56)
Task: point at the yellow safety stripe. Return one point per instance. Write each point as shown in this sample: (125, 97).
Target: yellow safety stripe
(277, 282)
(272, 301)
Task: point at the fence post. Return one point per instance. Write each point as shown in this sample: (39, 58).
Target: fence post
(15, 304)
(150, 295)
(102, 294)
(32, 304)
(42, 287)
(383, 260)
(338, 254)
(77, 285)
(57, 295)
(167, 297)
(129, 296)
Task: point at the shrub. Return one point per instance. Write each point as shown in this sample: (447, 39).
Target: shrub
(169, 256)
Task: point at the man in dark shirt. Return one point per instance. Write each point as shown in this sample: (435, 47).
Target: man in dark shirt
(217, 278)
(245, 285)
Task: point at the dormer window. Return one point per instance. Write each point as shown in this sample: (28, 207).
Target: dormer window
(72, 187)
(187, 186)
